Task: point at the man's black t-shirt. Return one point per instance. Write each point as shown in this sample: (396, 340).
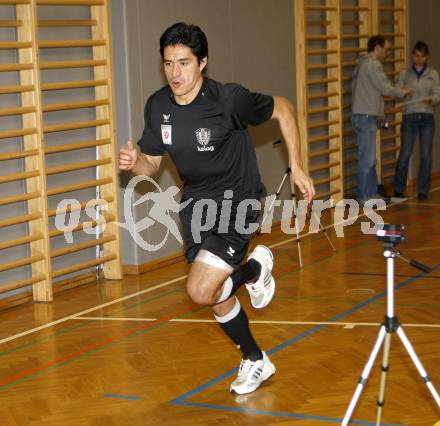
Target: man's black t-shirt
(208, 140)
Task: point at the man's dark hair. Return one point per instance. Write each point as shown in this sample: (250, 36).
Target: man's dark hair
(188, 35)
(376, 40)
(422, 47)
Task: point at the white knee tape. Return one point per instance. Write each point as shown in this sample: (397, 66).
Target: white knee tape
(231, 314)
(211, 259)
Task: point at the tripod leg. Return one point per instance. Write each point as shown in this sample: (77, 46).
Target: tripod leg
(269, 210)
(423, 374)
(295, 214)
(364, 376)
(383, 377)
(324, 231)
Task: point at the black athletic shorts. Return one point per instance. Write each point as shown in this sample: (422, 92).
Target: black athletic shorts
(231, 246)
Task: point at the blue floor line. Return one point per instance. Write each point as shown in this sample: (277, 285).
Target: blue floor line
(129, 397)
(182, 400)
(281, 414)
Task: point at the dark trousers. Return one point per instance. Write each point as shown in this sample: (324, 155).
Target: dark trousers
(413, 124)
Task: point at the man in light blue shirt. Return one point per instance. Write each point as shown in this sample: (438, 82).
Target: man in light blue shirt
(370, 85)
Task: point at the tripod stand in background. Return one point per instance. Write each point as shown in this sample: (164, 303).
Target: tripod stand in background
(287, 173)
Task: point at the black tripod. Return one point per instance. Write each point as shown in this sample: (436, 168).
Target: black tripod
(295, 215)
(391, 235)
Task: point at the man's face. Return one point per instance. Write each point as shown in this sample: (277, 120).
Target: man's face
(419, 58)
(183, 72)
(383, 52)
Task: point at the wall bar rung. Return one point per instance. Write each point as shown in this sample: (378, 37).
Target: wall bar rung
(324, 138)
(324, 167)
(83, 265)
(321, 51)
(327, 194)
(353, 49)
(322, 95)
(73, 85)
(320, 23)
(77, 166)
(354, 9)
(22, 283)
(353, 36)
(321, 67)
(10, 23)
(57, 44)
(323, 152)
(82, 205)
(351, 23)
(322, 124)
(21, 262)
(14, 67)
(320, 37)
(19, 154)
(322, 81)
(391, 149)
(16, 89)
(387, 175)
(67, 23)
(70, 2)
(349, 146)
(388, 162)
(74, 105)
(323, 109)
(72, 248)
(393, 136)
(77, 145)
(323, 181)
(74, 126)
(348, 64)
(79, 186)
(391, 9)
(15, 44)
(19, 219)
(72, 64)
(14, 1)
(16, 133)
(316, 8)
(20, 241)
(389, 35)
(18, 198)
(84, 225)
(4, 112)
(18, 176)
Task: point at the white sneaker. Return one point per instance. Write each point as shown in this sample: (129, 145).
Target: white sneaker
(252, 374)
(262, 290)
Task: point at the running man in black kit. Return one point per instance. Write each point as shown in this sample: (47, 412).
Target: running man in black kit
(203, 125)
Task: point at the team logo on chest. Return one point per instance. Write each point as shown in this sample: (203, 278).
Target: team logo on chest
(203, 136)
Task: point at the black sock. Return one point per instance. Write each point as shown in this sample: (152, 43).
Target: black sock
(236, 326)
(243, 274)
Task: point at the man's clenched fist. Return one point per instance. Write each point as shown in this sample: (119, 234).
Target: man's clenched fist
(128, 156)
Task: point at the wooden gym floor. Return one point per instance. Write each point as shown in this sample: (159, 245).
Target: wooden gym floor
(138, 352)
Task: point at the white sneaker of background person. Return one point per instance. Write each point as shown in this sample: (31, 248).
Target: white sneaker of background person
(262, 290)
(252, 374)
